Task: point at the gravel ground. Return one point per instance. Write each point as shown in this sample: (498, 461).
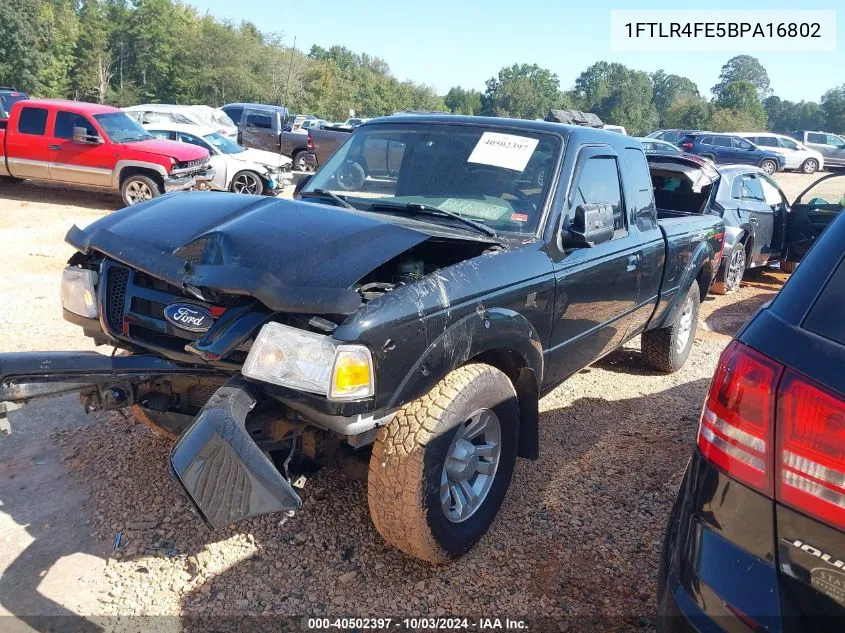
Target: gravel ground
(578, 535)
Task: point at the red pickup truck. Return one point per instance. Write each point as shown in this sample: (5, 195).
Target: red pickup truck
(93, 145)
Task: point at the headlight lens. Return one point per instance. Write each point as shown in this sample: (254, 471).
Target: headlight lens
(311, 362)
(79, 294)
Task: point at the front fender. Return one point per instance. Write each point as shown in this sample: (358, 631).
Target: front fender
(482, 331)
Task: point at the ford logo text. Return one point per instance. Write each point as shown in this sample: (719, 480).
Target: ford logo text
(188, 316)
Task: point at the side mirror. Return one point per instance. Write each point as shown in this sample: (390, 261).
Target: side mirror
(300, 185)
(591, 225)
(81, 136)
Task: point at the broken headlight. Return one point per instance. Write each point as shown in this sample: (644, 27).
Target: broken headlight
(303, 360)
(79, 291)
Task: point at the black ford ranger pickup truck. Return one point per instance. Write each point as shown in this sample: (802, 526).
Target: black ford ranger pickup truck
(403, 326)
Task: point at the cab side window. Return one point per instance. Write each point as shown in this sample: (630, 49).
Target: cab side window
(598, 182)
(235, 114)
(815, 137)
(262, 121)
(66, 121)
(33, 121)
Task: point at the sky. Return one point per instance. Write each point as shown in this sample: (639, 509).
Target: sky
(445, 43)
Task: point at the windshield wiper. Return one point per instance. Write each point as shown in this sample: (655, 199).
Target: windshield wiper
(322, 193)
(427, 209)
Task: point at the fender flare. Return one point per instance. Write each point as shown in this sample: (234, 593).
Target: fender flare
(492, 331)
(484, 330)
(123, 164)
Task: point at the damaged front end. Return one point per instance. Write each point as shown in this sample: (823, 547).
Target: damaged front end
(187, 302)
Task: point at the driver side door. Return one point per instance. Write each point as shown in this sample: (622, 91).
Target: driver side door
(79, 163)
(596, 287)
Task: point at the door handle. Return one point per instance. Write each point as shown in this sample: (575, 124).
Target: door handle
(753, 220)
(633, 262)
(56, 148)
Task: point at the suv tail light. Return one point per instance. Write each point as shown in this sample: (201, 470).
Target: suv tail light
(751, 395)
(811, 446)
(736, 424)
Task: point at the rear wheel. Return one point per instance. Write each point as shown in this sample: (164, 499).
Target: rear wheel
(731, 271)
(247, 182)
(810, 166)
(440, 470)
(667, 349)
(769, 166)
(138, 188)
(300, 163)
(350, 176)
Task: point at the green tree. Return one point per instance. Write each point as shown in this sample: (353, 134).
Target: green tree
(688, 113)
(93, 67)
(731, 120)
(21, 54)
(619, 95)
(522, 91)
(669, 87)
(743, 68)
(462, 101)
(785, 116)
(741, 96)
(833, 108)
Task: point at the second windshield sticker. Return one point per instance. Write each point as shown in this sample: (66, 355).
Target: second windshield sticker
(503, 150)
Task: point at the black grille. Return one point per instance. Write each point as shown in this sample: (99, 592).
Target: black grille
(116, 282)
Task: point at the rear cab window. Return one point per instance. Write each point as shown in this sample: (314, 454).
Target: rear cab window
(33, 121)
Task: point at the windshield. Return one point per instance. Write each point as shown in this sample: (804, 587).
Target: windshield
(223, 144)
(120, 128)
(6, 100)
(497, 177)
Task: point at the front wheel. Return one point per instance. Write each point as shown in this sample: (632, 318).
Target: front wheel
(769, 166)
(138, 188)
(666, 349)
(810, 166)
(440, 470)
(247, 182)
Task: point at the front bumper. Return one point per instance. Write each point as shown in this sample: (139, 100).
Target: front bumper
(221, 469)
(184, 182)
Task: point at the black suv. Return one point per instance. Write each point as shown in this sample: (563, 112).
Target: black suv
(756, 540)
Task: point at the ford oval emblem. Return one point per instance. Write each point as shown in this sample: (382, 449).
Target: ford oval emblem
(188, 316)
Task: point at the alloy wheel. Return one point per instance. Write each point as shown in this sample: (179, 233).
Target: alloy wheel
(684, 326)
(470, 466)
(138, 191)
(736, 268)
(246, 182)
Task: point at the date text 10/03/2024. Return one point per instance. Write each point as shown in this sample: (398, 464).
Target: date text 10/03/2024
(415, 624)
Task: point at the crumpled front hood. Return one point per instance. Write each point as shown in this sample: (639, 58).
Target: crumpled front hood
(270, 159)
(301, 244)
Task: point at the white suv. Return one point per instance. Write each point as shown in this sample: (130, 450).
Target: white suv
(797, 155)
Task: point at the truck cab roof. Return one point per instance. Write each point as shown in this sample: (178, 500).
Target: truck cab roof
(74, 106)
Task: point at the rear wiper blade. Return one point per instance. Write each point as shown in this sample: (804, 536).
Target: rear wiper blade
(323, 193)
(426, 209)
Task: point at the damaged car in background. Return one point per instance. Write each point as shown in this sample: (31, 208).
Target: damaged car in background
(401, 326)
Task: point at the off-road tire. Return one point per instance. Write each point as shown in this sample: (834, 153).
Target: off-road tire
(660, 347)
(153, 186)
(408, 459)
(788, 266)
(723, 285)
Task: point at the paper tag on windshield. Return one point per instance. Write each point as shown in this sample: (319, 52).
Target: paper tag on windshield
(503, 150)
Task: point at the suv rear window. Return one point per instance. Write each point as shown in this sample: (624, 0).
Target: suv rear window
(33, 121)
(825, 317)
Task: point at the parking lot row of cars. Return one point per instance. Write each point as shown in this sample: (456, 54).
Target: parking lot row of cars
(802, 150)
